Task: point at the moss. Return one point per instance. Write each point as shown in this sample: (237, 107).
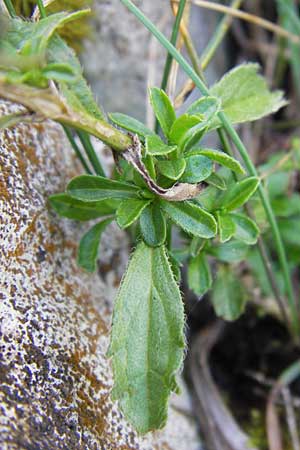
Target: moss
(74, 32)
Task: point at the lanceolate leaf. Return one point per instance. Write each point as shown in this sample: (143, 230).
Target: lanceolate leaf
(90, 188)
(181, 126)
(199, 275)
(129, 211)
(163, 109)
(155, 146)
(197, 169)
(153, 225)
(245, 95)
(217, 181)
(147, 339)
(67, 206)
(228, 297)
(89, 244)
(226, 227)
(246, 229)
(223, 159)
(191, 218)
(131, 124)
(240, 193)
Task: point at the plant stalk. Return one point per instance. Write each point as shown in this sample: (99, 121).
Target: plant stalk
(240, 147)
(10, 8)
(90, 151)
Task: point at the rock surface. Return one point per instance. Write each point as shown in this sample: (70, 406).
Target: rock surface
(55, 319)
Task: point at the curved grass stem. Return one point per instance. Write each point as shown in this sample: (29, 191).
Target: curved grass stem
(240, 147)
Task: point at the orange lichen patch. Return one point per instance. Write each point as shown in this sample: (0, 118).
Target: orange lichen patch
(4, 194)
(30, 154)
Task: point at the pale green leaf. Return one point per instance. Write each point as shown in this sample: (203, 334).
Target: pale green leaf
(230, 252)
(147, 340)
(163, 109)
(245, 95)
(207, 107)
(129, 211)
(199, 275)
(228, 297)
(191, 218)
(89, 244)
(179, 132)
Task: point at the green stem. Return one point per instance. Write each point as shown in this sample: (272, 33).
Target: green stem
(218, 36)
(10, 8)
(42, 9)
(90, 151)
(173, 40)
(76, 148)
(239, 145)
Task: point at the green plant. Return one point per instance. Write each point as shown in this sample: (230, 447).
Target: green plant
(162, 181)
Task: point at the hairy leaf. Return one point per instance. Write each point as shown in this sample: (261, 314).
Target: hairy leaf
(67, 206)
(245, 95)
(147, 339)
(89, 244)
(172, 169)
(181, 127)
(217, 181)
(197, 169)
(226, 227)
(240, 193)
(246, 229)
(163, 109)
(223, 159)
(91, 188)
(131, 124)
(129, 211)
(191, 218)
(207, 107)
(199, 275)
(153, 225)
(155, 146)
(227, 296)
(230, 252)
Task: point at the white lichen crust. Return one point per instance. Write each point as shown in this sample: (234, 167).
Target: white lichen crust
(55, 379)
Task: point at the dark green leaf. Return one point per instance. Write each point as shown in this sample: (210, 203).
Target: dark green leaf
(172, 169)
(175, 266)
(240, 193)
(223, 159)
(199, 275)
(67, 206)
(191, 218)
(245, 95)
(90, 188)
(228, 296)
(129, 211)
(89, 244)
(246, 229)
(153, 225)
(163, 109)
(230, 252)
(147, 340)
(226, 227)
(196, 245)
(155, 146)
(197, 169)
(131, 124)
